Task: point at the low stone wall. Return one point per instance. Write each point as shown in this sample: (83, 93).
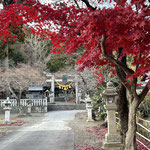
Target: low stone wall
(34, 109)
(53, 107)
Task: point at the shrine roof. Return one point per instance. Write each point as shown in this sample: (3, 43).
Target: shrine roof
(36, 88)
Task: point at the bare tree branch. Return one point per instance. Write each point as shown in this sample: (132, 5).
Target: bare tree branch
(88, 4)
(11, 90)
(77, 3)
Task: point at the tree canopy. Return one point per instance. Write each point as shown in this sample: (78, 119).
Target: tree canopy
(127, 27)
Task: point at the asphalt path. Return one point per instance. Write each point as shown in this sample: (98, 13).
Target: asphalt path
(50, 133)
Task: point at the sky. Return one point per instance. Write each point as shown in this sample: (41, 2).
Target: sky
(105, 4)
(1, 6)
(92, 2)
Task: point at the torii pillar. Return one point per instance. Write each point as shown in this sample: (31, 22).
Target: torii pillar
(76, 89)
(52, 89)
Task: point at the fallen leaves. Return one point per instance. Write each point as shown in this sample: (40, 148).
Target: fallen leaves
(94, 137)
(14, 123)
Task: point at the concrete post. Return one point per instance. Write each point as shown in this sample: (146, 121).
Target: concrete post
(52, 98)
(7, 109)
(112, 138)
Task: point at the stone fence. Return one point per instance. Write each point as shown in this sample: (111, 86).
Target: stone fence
(38, 105)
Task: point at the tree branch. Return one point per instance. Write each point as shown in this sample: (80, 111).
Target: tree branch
(11, 90)
(120, 74)
(77, 3)
(116, 62)
(88, 4)
(83, 80)
(143, 93)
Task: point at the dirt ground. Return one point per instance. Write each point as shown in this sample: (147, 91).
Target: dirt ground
(88, 135)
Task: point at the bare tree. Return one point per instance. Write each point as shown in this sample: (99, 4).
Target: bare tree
(87, 81)
(35, 49)
(19, 79)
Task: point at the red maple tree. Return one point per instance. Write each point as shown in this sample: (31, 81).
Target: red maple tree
(104, 33)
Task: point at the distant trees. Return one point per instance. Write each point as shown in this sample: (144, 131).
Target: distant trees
(19, 79)
(88, 81)
(36, 50)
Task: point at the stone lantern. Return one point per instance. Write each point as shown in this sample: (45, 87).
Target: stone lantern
(89, 108)
(7, 108)
(112, 138)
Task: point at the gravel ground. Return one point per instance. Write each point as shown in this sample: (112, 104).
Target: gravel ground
(19, 122)
(48, 133)
(88, 135)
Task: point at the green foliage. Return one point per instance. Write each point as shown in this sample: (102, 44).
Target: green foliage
(2, 53)
(56, 64)
(16, 57)
(102, 115)
(98, 102)
(144, 108)
(47, 48)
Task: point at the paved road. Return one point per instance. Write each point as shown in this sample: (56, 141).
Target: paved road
(51, 133)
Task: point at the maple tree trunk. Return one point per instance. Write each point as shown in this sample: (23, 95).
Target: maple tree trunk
(122, 102)
(123, 112)
(130, 142)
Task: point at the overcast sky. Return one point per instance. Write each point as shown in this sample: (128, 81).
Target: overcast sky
(93, 2)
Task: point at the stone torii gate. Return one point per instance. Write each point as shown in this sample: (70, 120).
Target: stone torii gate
(51, 78)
